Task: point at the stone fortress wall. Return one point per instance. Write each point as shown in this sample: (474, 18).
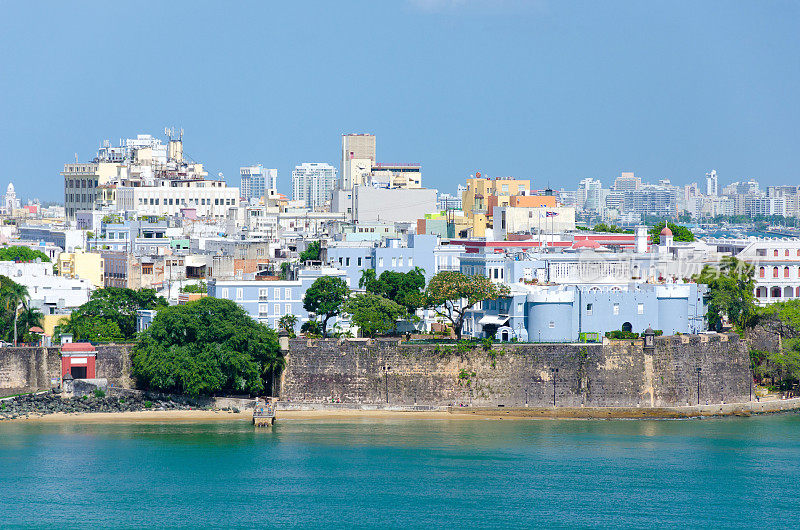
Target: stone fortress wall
(615, 373)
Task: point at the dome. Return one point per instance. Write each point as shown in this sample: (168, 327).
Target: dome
(666, 231)
(10, 188)
(586, 243)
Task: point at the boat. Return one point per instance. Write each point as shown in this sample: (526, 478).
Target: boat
(264, 412)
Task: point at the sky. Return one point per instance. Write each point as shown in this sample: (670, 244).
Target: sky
(554, 91)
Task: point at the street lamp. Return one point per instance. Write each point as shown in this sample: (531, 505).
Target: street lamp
(554, 372)
(698, 384)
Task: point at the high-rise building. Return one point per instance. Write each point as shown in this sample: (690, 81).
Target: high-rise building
(712, 186)
(256, 180)
(627, 182)
(358, 157)
(590, 195)
(313, 182)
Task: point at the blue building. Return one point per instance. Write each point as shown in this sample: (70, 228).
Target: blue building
(560, 313)
(268, 300)
(423, 251)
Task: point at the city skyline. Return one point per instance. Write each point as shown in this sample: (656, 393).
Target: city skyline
(551, 92)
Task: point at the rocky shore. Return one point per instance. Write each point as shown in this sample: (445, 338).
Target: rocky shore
(32, 405)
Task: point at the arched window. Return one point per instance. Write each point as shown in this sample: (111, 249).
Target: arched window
(788, 292)
(775, 292)
(786, 272)
(761, 292)
(761, 272)
(787, 253)
(774, 272)
(775, 253)
(627, 326)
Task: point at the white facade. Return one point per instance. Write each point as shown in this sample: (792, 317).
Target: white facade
(313, 183)
(209, 198)
(47, 291)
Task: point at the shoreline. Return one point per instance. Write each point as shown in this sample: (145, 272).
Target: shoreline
(322, 412)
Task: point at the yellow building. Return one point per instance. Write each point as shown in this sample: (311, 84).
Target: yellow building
(79, 264)
(482, 194)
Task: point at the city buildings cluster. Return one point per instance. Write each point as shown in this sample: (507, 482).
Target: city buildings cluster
(144, 215)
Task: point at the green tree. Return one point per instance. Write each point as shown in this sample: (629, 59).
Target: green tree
(28, 318)
(679, 233)
(112, 304)
(452, 293)
(373, 314)
(24, 254)
(602, 227)
(325, 298)
(312, 252)
(404, 288)
(730, 292)
(14, 297)
(203, 347)
(287, 324)
(195, 288)
(311, 327)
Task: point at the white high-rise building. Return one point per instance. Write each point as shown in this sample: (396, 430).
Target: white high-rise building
(590, 195)
(712, 187)
(313, 183)
(256, 180)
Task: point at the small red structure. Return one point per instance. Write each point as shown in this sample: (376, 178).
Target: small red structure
(78, 360)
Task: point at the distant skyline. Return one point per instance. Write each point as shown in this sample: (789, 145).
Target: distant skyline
(551, 91)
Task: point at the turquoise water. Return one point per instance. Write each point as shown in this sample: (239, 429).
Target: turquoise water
(404, 473)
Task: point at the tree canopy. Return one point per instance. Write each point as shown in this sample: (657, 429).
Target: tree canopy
(110, 314)
(17, 316)
(312, 252)
(730, 292)
(373, 314)
(679, 233)
(207, 346)
(613, 229)
(452, 293)
(19, 253)
(404, 288)
(325, 298)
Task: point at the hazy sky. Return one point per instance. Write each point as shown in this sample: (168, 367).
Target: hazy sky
(550, 90)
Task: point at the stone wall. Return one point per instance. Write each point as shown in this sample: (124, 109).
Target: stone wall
(616, 373)
(28, 369)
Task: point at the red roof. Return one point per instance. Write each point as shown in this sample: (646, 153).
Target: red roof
(78, 346)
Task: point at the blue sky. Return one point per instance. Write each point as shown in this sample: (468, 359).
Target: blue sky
(552, 91)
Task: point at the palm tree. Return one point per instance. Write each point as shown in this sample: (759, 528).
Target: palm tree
(288, 322)
(14, 295)
(29, 318)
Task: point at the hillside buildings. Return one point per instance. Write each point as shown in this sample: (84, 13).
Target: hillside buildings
(256, 181)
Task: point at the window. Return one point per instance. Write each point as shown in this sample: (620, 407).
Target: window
(263, 309)
(380, 262)
(400, 261)
(223, 293)
(263, 294)
(277, 293)
(786, 272)
(394, 262)
(761, 272)
(359, 262)
(552, 324)
(640, 309)
(410, 262)
(288, 309)
(287, 293)
(616, 309)
(787, 253)
(521, 307)
(774, 272)
(239, 293)
(588, 309)
(277, 309)
(347, 262)
(775, 253)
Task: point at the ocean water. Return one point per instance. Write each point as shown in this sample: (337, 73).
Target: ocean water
(732, 472)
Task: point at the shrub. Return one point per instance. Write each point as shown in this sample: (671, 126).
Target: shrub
(148, 404)
(621, 335)
(99, 393)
